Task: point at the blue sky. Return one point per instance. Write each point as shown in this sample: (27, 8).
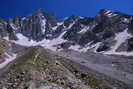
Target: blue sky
(63, 8)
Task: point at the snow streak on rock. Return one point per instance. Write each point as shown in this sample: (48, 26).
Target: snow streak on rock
(84, 30)
(120, 38)
(43, 24)
(8, 59)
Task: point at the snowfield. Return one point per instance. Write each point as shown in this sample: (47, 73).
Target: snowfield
(52, 44)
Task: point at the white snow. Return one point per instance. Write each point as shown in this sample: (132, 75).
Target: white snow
(59, 23)
(13, 26)
(85, 49)
(24, 41)
(120, 38)
(75, 47)
(107, 12)
(120, 53)
(110, 13)
(6, 38)
(43, 25)
(96, 46)
(71, 25)
(23, 18)
(65, 18)
(54, 28)
(126, 20)
(8, 59)
(84, 29)
(81, 17)
(50, 44)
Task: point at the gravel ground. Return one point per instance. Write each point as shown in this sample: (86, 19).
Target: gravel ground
(119, 68)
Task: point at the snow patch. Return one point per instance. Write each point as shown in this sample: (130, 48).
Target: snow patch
(81, 17)
(43, 25)
(65, 18)
(51, 44)
(71, 25)
(6, 38)
(8, 59)
(75, 48)
(24, 41)
(59, 23)
(84, 29)
(23, 18)
(85, 49)
(110, 13)
(120, 38)
(107, 12)
(120, 53)
(54, 28)
(95, 46)
(13, 26)
(126, 20)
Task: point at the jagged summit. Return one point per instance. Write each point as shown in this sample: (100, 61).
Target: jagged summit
(109, 32)
(109, 12)
(40, 10)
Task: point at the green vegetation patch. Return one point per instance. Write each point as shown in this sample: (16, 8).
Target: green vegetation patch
(32, 60)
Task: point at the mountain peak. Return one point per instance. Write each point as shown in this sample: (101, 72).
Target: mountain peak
(40, 10)
(105, 12)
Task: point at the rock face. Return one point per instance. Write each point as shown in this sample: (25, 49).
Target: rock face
(34, 27)
(107, 31)
(130, 44)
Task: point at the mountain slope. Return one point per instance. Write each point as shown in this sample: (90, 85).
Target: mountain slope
(110, 32)
(38, 69)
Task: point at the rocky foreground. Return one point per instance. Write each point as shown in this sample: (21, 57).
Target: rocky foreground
(37, 69)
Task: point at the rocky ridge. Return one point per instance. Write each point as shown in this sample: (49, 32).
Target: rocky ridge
(109, 32)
